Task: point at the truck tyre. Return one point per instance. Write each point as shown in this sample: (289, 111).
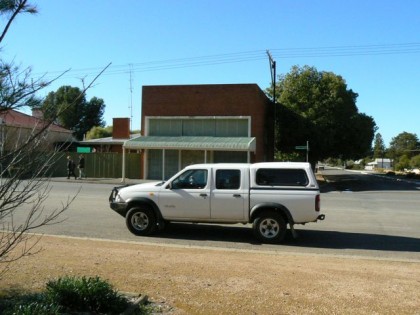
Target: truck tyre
(141, 220)
(270, 227)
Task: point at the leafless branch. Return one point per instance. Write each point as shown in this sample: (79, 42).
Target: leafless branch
(25, 167)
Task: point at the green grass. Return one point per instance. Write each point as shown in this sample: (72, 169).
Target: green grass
(70, 295)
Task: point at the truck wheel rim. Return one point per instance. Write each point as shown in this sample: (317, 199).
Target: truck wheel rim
(140, 221)
(269, 228)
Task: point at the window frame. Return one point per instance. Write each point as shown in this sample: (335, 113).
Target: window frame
(279, 180)
(237, 185)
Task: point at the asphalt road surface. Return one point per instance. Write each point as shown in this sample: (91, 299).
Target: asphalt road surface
(366, 215)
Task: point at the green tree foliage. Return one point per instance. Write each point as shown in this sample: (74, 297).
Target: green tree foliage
(318, 107)
(94, 112)
(378, 146)
(415, 161)
(75, 112)
(15, 90)
(11, 9)
(403, 163)
(404, 143)
(404, 147)
(99, 132)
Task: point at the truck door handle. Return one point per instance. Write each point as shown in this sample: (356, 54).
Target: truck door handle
(236, 195)
(203, 195)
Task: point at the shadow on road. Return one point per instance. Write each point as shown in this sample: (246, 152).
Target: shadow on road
(346, 240)
(307, 238)
(346, 181)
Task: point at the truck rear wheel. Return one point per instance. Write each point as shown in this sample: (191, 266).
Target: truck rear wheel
(270, 227)
(141, 220)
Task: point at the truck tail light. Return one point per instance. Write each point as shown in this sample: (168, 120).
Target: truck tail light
(318, 203)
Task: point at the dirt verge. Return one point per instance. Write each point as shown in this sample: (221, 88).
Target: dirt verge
(217, 281)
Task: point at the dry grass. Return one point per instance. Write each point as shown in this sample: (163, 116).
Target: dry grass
(215, 281)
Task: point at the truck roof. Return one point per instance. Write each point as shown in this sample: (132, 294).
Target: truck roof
(303, 165)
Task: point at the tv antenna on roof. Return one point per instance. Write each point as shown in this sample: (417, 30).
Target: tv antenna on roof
(131, 97)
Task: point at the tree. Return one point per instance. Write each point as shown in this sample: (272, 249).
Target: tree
(21, 167)
(403, 163)
(294, 130)
(99, 132)
(10, 9)
(379, 146)
(415, 161)
(402, 147)
(75, 112)
(404, 143)
(25, 166)
(324, 112)
(93, 114)
(16, 91)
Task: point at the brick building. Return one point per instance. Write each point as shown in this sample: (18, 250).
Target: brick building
(114, 144)
(188, 124)
(16, 128)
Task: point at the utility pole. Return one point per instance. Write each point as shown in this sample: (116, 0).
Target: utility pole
(273, 82)
(273, 74)
(307, 151)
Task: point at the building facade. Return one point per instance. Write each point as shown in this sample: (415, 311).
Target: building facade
(113, 144)
(189, 124)
(379, 163)
(16, 128)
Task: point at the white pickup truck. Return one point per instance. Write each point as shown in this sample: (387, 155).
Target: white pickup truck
(269, 195)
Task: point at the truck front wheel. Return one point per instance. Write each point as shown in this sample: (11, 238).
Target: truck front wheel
(270, 227)
(141, 221)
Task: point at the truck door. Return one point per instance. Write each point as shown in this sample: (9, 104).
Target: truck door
(187, 196)
(229, 195)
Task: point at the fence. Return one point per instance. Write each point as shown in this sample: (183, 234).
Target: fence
(101, 165)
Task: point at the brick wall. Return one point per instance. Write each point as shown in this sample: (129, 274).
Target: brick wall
(121, 128)
(215, 100)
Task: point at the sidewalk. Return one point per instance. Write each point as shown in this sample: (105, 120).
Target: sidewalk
(115, 181)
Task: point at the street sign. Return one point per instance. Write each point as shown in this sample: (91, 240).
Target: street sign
(304, 147)
(83, 149)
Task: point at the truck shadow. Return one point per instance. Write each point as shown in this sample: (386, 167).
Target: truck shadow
(348, 240)
(307, 238)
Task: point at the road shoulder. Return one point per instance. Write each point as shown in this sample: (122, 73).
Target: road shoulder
(213, 281)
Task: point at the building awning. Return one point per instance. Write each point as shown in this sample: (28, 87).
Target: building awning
(108, 140)
(193, 143)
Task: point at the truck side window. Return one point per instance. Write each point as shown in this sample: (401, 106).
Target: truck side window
(228, 179)
(191, 179)
(281, 177)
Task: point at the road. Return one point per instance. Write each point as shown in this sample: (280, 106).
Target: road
(366, 215)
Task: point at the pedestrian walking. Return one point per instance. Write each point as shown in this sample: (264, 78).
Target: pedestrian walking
(70, 168)
(81, 166)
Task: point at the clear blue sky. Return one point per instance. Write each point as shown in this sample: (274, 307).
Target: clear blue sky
(374, 45)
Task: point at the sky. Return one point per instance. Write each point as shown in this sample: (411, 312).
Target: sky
(374, 45)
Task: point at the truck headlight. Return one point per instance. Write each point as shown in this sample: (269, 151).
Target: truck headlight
(118, 198)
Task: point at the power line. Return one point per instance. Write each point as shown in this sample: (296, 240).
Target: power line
(247, 56)
(170, 64)
(344, 51)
